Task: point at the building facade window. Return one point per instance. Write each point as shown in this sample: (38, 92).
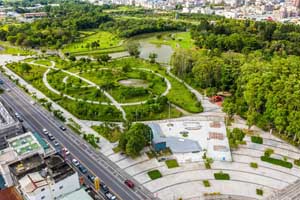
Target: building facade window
(43, 197)
(61, 187)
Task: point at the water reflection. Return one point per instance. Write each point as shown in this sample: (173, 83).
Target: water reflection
(164, 52)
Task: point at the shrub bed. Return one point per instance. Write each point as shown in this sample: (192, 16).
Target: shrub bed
(172, 163)
(154, 174)
(257, 139)
(277, 161)
(253, 165)
(221, 176)
(206, 183)
(259, 192)
(297, 162)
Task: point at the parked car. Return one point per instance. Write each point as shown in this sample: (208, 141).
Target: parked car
(110, 196)
(66, 151)
(63, 128)
(129, 183)
(91, 178)
(162, 159)
(75, 162)
(18, 117)
(82, 169)
(104, 187)
(45, 131)
(51, 137)
(55, 143)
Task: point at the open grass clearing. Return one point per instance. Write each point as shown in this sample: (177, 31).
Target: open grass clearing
(55, 79)
(6, 48)
(93, 42)
(173, 39)
(143, 112)
(109, 131)
(81, 110)
(178, 95)
(43, 62)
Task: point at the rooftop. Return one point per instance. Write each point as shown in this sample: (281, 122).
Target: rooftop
(78, 194)
(27, 165)
(32, 181)
(34, 172)
(5, 118)
(2, 182)
(58, 169)
(194, 135)
(24, 144)
(10, 194)
(176, 144)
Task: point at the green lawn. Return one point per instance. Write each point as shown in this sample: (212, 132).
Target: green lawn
(109, 132)
(154, 174)
(182, 97)
(55, 79)
(106, 40)
(178, 95)
(175, 40)
(85, 111)
(155, 85)
(43, 62)
(14, 50)
(172, 163)
(144, 113)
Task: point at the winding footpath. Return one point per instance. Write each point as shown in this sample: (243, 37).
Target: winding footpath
(113, 101)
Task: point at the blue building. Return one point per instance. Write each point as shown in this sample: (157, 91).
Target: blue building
(176, 144)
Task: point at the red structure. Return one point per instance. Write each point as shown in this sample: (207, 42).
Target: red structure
(216, 98)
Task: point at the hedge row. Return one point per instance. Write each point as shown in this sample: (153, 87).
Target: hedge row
(221, 176)
(277, 161)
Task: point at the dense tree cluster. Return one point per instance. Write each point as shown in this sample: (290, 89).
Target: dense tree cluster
(246, 36)
(205, 69)
(127, 27)
(264, 90)
(60, 27)
(135, 139)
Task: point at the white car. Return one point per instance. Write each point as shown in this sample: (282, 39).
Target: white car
(75, 162)
(67, 152)
(45, 131)
(55, 143)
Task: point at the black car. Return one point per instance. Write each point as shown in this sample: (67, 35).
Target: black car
(91, 178)
(63, 128)
(82, 169)
(104, 187)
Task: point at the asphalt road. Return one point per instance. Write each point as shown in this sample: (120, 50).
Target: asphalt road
(38, 118)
